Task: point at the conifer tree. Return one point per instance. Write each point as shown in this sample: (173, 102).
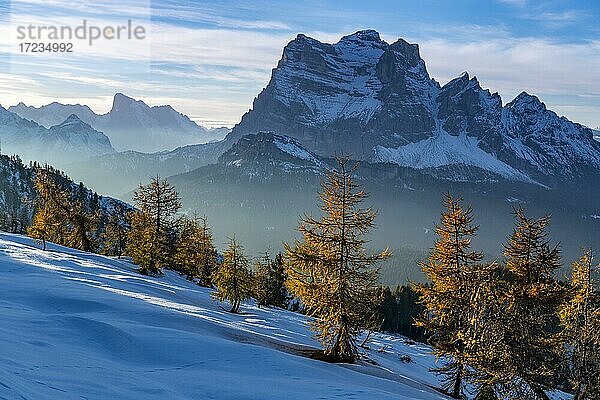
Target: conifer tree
(158, 203)
(528, 363)
(232, 278)
(63, 216)
(196, 256)
(261, 279)
(43, 225)
(277, 294)
(450, 269)
(269, 277)
(83, 225)
(330, 270)
(142, 245)
(115, 232)
(48, 223)
(580, 319)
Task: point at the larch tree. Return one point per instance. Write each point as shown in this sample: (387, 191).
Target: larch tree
(47, 223)
(114, 237)
(527, 367)
(63, 216)
(195, 255)
(450, 270)
(158, 202)
(329, 270)
(233, 278)
(580, 320)
(142, 245)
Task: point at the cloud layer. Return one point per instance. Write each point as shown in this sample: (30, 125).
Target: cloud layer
(210, 62)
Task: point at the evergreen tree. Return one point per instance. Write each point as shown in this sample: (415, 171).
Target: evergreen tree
(261, 279)
(277, 293)
(580, 319)
(269, 276)
(196, 256)
(529, 359)
(330, 270)
(60, 215)
(158, 202)
(232, 278)
(450, 270)
(142, 244)
(398, 310)
(115, 232)
(83, 225)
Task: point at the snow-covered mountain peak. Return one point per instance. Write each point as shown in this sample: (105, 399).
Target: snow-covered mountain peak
(526, 102)
(366, 35)
(259, 154)
(365, 97)
(72, 120)
(409, 51)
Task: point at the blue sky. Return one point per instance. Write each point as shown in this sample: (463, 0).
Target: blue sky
(209, 59)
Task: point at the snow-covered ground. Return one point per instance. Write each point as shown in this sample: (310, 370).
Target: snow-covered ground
(75, 325)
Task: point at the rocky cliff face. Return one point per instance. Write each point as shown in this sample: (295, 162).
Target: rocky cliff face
(377, 102)
(345, 97)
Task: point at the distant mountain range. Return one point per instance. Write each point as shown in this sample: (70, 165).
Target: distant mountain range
(118, 173)
(69, 141)
(363, 97)
(130, 124)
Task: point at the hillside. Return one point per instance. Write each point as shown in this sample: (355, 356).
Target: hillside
(77, 325)
(261, 186)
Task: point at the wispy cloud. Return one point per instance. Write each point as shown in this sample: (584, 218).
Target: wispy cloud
(210, 59)
(519, 3)
(557, 19)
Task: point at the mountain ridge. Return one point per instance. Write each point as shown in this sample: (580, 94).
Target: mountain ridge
(130, 124)
(71, 140)
(369, 98)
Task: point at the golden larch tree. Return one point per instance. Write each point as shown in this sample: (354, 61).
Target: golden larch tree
(330, 269)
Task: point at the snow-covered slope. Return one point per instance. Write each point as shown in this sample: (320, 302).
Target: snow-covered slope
(444, 149)
(77, 325)
(131, 124)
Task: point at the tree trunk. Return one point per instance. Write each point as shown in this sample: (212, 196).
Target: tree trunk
(539, 393)
(456, 389)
